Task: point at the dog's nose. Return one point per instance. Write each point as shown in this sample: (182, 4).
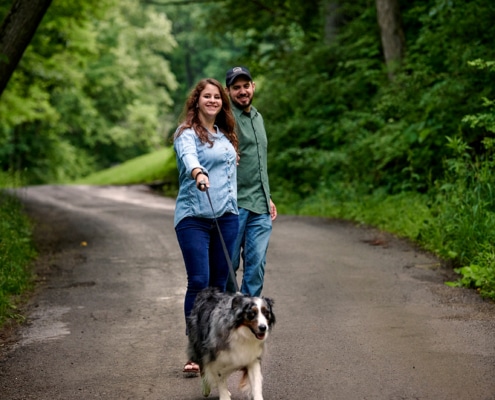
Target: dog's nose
(262, 328)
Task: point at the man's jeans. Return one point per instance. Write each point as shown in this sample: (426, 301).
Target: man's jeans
(203, 253)
(252, 245)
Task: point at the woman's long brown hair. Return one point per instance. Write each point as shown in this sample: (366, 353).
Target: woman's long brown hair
(225, 119)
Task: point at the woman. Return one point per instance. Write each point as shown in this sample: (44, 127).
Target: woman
(206, 150)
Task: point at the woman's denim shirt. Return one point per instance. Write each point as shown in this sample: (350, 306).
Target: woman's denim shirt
(219, 161)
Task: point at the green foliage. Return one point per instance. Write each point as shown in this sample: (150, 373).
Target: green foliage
(16, 253)
(346, 142)
(198, 53)
(10, 179)
(411, 155)
(391, 134)
(465, 202)
(483, 121)
(92, 90)
(268, 30)
(464, 228)
(481, 278)
(404, 214)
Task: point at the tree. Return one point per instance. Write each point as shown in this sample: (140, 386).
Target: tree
(92, 89)
(332, 15)
(16, 33)
(392, 34)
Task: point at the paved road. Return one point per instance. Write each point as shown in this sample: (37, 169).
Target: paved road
(361, 315)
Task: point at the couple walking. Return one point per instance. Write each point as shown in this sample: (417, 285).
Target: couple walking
(221, 144)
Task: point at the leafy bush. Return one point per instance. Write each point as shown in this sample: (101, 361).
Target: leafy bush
(465, 202)
(481, 278)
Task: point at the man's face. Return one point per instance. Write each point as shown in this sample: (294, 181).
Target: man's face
(241, 93)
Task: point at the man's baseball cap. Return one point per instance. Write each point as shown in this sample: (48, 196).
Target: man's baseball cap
(234, 73)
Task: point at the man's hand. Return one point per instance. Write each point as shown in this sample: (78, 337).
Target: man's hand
(273, 210)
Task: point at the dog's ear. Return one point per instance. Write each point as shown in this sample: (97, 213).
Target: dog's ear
(237, 301)
(270, 302)
(237, 310)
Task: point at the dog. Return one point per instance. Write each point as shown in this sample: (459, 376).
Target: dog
(227, 333)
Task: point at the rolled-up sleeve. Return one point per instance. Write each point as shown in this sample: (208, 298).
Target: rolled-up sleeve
(186, 150)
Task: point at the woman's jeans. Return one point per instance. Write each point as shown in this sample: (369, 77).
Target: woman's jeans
(252, 244)
(205, 261)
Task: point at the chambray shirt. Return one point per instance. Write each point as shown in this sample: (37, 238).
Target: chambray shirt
(253, 189)
(219, 161)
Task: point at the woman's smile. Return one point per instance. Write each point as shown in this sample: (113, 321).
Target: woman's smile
(210, 101)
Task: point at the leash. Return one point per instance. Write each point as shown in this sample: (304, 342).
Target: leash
(229, 262)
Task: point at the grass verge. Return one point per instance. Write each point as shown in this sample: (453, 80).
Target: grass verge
(16, 253)
(157, 167)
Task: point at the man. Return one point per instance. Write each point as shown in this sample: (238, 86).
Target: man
(256, 209)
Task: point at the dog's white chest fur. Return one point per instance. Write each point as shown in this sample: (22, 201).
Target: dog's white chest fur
(244, 350)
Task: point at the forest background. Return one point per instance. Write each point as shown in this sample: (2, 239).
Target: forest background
(377, 111)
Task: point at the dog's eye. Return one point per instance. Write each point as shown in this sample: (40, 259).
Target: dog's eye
(265, 312)
(250, 315)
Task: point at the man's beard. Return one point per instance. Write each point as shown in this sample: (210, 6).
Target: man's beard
(241, 106)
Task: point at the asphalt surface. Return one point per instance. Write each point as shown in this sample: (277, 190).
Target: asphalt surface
(360, 314)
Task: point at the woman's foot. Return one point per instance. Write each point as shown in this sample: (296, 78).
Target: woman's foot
(191, 368)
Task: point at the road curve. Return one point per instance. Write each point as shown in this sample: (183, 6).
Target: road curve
(360, 314)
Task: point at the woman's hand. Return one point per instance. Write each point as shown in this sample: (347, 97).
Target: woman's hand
(202, 181)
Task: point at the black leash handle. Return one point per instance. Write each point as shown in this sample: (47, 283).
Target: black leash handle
(229, 262)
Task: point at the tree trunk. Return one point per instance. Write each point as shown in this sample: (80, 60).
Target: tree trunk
(331, 11)
(392, 34)
(16, 33)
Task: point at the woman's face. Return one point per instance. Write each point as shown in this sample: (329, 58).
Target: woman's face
(209, 102)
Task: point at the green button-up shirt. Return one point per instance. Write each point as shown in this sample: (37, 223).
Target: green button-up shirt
(253, 189)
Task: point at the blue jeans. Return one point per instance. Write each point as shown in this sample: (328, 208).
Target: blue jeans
(205, 261)
(252, 244)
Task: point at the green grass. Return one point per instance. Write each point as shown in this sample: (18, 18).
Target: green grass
(16, 253)
(404, 214)
(156, 167)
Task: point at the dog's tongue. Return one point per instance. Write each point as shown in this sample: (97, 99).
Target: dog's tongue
(260, 336)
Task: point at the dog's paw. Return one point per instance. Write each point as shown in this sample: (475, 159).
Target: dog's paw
(223, 392)
(225, 397)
